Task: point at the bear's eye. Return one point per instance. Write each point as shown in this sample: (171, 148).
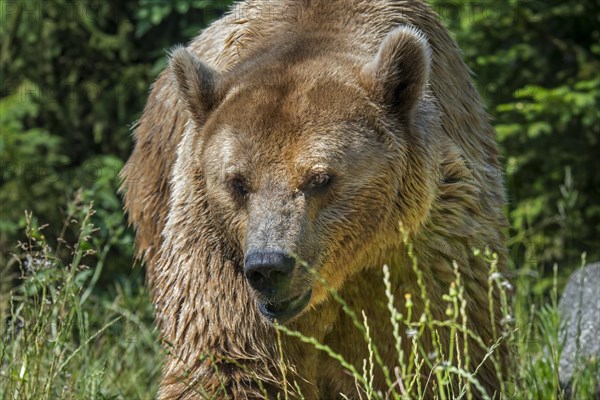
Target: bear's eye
(319, 181)
(238, 186)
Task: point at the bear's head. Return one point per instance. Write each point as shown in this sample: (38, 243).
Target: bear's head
(308, 159)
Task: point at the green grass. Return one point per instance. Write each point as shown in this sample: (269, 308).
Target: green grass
(60, 339)
(63, 339)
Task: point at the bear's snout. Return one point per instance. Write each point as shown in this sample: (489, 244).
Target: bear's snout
(269, 272)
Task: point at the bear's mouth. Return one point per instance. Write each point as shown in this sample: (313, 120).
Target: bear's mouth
(286, 310)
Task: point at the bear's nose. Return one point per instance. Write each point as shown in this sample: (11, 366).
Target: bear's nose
(268, 271)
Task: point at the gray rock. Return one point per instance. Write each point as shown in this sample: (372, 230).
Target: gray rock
(580, 323)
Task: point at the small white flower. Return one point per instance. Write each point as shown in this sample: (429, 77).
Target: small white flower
(495, 275)
(410, 332)
(506, 285)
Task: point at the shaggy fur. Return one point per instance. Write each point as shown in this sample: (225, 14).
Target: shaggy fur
(370, 93)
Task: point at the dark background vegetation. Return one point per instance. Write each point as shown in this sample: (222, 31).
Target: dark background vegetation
(75, 75)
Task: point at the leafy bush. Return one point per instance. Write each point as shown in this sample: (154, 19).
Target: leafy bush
(536, 65)
(75, 76)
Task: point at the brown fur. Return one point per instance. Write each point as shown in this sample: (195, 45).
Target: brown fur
(373, 92)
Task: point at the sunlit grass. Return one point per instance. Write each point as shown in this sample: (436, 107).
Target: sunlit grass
(63, 339)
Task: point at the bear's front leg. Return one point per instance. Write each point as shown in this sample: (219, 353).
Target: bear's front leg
(224, 377)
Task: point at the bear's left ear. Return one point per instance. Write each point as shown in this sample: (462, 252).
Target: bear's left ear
(198, 84)
(398, 75)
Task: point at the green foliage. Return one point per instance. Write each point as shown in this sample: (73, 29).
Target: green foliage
(536, 64)
(61, 340)
(74, 78)
(31, 160)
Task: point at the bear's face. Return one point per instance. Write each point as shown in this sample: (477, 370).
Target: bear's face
(302, 165)
(285, 175)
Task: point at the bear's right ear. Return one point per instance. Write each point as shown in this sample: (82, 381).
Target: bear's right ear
(198, 84)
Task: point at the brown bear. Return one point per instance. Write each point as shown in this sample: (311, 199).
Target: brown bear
(299, 139)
